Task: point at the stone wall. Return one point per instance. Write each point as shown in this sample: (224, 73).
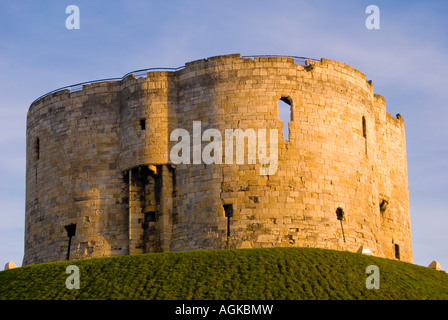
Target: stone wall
(103, 163)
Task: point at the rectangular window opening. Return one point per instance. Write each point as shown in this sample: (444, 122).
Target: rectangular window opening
(71, 230)
(364, 127)
(37, 148)
(150, 216)
(228, 209)
(364, 132)
(143, 124)
(340, 214)
(397, 251)
(340, 217)
(383, 206)
(285, 114)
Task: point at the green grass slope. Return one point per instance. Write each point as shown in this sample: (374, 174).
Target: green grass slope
(245, 274)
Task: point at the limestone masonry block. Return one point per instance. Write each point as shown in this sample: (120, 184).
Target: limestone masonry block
(434, 265)
(10, 265)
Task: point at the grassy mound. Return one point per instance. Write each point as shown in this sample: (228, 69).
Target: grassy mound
(244, 274)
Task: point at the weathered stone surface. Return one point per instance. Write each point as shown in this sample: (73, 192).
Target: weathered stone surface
(363, 250)
(100, 158)
(10, 265)
(434, 265)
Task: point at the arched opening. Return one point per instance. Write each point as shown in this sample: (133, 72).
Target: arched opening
(285, 114)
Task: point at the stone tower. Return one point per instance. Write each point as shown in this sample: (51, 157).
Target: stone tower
(100, 159)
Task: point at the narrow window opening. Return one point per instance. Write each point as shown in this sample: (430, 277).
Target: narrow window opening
(397, 251)
(364, 127)
(383, 206)
(150, 216)
(71, 230)
(285, 114)
(143, 124)
(364, 131)
(228, 209)
(37, 148)
(340, 216)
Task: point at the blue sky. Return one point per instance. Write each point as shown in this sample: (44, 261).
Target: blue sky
(406, 59)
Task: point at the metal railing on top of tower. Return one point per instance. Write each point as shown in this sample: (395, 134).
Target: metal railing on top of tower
(143, 72)
(138, 73)
(297, 60)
